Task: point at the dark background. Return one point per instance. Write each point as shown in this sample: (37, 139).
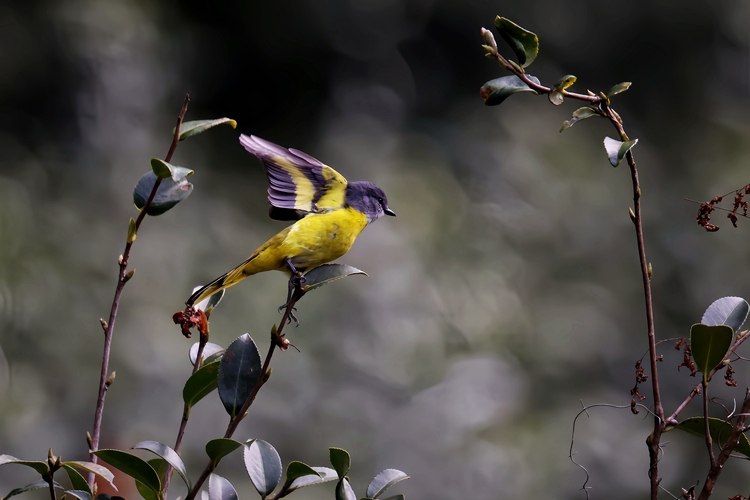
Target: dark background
(504, 295)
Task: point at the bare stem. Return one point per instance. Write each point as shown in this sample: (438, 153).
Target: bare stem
(726, 451)
(602, 105)
(233, 423)
(121, 280)
(51, 482)
(709, 441)
(185, 414)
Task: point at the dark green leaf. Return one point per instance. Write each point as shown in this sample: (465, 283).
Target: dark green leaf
(719, 429)
(619, 88)
(201, 383)
(340, 460)
(297, 469)
(220, 489)
(218, 448)
(189, 129)
(263, 465)
(208, 304)
(496, 91)
(160, 168)
(344, 490)
(524, 43)
(239, 371)
(97, 469)
(211, 352)
(169, 193)
(325, 474)
(564, 82)
(36, 485)
(167, 454)
(160, 466)
(41, 467)
(578, 115)
(383, 481)
(76, 479)
(616, 150)
(327, 273)
(709, 345)
(135, 467)
(80, 494)
(729, 311)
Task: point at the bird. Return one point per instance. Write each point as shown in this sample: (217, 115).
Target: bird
(329, 211)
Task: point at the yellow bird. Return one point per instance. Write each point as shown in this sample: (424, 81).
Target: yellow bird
(330, 213)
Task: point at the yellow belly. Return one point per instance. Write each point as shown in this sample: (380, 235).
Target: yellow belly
(314, 240)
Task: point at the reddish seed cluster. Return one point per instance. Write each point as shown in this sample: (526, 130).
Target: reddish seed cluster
(739, 202)
(704, 215)
(728, 376)
(190, 318)
(687, 362)
(640, 377)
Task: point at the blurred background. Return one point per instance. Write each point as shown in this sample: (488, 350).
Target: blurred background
(504, 295)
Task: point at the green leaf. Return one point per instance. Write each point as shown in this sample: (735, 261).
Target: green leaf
(135, 467)
(578, 115)
(324, 474)
(616, 150)
(496, 91)
(297, 469)
(263, 465)
(555, 97)
(169, 455)
(36, 485)
(719, 429)
(160, 466)
(189, 129)
(211, 352)
(41, 467)
(383, 481)
(344, 490)
(97, 469)
(201, 383)
(208, 304)
(524, 43)
(218, 448)
(220, 489)
(131, 230)
(239, 371)
(160, 168)
(564, 82)
(327, 273)
(76, 479)
(169, 193)
(729, 311)
(80, 494)
(341, 461)
(618, 89)
(709, 345)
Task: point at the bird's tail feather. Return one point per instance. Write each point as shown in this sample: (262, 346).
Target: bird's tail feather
(225, 281)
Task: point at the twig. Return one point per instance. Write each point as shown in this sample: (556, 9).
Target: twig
(121, 280)
(249, 401)
(709, 440)
(203, 339)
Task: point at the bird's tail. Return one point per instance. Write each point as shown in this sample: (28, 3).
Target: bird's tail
(225, 281)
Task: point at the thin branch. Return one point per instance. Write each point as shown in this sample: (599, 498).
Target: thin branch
(121, 280)
(707, 430)
(203, 340)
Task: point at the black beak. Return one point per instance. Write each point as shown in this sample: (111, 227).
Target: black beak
(390, 212)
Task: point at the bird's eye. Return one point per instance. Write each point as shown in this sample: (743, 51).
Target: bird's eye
(380, 200)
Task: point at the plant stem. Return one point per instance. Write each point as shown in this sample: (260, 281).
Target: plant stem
(185, 415)
(51, 482)
(718, 465)
(707, 429)
(249, 401)
(601, 104)
(121, 280)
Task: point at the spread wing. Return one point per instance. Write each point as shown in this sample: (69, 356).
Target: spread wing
(298, 183)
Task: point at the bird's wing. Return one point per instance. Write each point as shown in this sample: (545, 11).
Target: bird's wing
(298, 183)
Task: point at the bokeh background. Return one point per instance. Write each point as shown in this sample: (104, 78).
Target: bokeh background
(504, 295)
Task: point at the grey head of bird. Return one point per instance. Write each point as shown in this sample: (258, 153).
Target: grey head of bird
(369, 199)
